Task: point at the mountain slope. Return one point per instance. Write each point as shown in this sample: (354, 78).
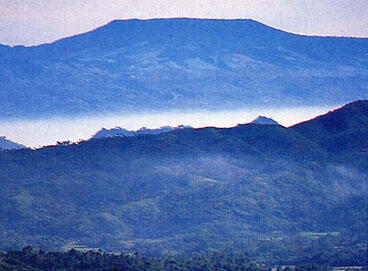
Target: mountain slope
(264, 120)
(254, 188)
(6, 144)
(185, 64)
(349, 117)
(343, 130)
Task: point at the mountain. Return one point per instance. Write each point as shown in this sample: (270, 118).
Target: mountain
(117, 131)
(182, 64)
(279, 194)
(264, 121)
(344, 129)
(6, 144)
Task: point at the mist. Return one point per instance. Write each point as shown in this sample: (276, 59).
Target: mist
(36, 133)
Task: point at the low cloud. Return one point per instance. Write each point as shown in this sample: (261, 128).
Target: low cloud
(36, 133)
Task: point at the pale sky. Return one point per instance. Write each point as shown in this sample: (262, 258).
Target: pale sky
(31, 22)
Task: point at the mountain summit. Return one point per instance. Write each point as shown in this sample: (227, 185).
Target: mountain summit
(264, 121)
(182, 64)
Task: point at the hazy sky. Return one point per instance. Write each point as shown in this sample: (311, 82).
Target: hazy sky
(30, 22)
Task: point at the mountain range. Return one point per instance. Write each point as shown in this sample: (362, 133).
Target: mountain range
(118, 131)
(279, 194)
(183, 64)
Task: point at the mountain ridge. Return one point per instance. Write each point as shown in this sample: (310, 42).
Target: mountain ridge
(245, 188)
(182, 64)
(6, 144)
(177, 18)
(118, 131)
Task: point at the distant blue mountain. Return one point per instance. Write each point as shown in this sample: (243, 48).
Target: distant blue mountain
(189, 64)
(6, 144)
(264, 121)
(117, 131)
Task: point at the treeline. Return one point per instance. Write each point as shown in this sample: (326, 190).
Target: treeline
(32, 259)
(37, 260)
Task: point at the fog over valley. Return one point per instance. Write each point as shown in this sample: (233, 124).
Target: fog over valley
(40, 132)
(185, 144)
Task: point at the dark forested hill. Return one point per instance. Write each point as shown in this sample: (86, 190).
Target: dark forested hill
(135, 66)
(343, 132)
(277, 193)
(353, 116)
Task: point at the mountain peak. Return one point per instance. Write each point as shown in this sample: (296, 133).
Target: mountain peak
(264, 121)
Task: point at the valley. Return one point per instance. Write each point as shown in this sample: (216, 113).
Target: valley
(198, 144)
(264, 189)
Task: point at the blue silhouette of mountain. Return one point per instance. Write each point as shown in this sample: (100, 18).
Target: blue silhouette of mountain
(6, 144)
(118, 131)
(264, 121)
(184, 64)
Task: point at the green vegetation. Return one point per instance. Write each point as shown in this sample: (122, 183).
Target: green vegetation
(98, 260)
(30, 259)
(270, 191)
(74, 260)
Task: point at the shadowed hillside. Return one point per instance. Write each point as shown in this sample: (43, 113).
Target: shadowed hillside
(271, 191)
